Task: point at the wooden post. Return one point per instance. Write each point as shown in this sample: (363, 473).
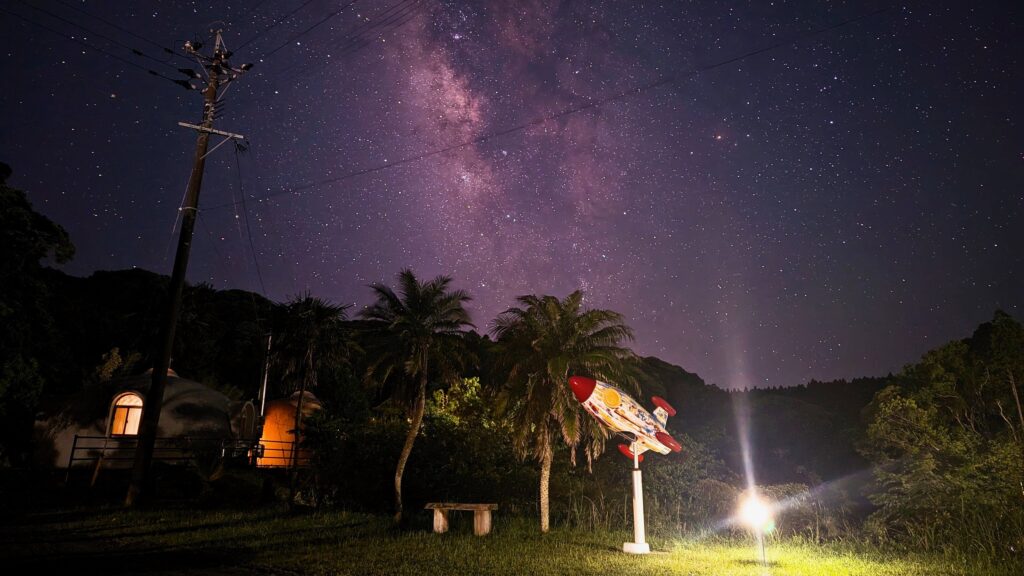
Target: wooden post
(440, 520)
(481, 522)
(71, 459)
(220, 72)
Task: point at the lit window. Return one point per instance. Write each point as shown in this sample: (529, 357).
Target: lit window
(126, 416)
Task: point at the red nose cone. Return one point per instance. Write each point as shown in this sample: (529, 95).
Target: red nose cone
(582, 387)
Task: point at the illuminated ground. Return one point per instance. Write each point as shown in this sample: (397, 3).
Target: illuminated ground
(272, 542)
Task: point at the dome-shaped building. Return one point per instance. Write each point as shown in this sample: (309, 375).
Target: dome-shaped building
(278, 438)
(100, 424)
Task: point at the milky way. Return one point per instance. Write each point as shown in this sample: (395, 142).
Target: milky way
(830, 208)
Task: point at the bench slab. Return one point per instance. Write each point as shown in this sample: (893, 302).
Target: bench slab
(459, 506)
(481, 516)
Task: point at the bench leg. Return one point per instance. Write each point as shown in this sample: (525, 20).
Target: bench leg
(440, 521)
(481, 522)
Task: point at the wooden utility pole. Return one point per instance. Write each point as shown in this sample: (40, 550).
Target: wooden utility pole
(219, 72)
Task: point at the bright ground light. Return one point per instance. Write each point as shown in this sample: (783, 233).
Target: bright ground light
(755, 513)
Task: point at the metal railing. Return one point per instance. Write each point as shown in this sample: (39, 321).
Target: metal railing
(119, 451)
(279, 454)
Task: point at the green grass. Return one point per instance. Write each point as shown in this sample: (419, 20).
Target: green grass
(272, 541)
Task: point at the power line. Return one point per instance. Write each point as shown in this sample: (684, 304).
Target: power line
(565, 112)
(378, 20)
(359, 36)
(245, 216)
(273, 25)
(94, 33)
(114, 25)
(212, 239)
(259, 5)
(392, 22)
(308, 30)
(182, 83)
(225, 260)
(220, 256)
(252, 248)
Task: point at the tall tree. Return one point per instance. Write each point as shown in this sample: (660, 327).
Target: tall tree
(946, 440)
(420, 333)
(540, 344)
(310, 338)
(27, 332)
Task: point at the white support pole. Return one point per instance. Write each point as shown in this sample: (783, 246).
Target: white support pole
(639, 544)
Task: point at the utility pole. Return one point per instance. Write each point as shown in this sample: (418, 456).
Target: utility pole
(219, 73)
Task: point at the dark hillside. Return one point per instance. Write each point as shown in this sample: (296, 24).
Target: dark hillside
(219, 333)
(800, 434)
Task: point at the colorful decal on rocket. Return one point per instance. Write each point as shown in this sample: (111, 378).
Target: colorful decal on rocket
(620, 412)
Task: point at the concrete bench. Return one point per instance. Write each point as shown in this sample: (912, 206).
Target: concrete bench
(481, 516)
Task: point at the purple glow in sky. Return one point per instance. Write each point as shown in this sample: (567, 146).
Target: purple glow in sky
(830, 208)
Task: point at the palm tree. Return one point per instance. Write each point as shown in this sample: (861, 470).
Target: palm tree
(540, 344)
(420, 333)
(310, 338)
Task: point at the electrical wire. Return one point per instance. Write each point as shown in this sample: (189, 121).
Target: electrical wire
(252, 248)
(213, 240)
(273, 25)
(84, 44)
(167, 251)
(201, 222)
(376, 21)
(114, 41)
(590, 104)
(245, 217)
(114, 25)
(307, 30)
(359, 36)
(259, 5)
(386, 25)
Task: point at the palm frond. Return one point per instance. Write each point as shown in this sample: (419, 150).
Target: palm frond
(418, 332)
(539, 344)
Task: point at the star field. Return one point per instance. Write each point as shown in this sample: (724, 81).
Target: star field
(830, 208)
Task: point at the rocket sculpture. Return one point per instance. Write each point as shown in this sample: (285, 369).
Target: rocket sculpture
(620, 412)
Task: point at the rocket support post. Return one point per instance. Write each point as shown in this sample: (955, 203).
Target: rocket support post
(639, 544)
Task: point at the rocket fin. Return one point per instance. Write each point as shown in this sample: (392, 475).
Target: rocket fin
(628, 453)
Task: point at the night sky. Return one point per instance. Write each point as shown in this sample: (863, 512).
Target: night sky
(830, 208)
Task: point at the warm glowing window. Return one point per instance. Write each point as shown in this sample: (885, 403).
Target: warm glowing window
(126, 416)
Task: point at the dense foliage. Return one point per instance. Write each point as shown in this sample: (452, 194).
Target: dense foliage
(27, 326)
(931, 457)
(947, 443)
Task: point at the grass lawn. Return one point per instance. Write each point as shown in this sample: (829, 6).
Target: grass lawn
(272, 541)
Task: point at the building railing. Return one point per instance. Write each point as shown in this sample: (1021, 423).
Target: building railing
(281, 454)
(119, 451)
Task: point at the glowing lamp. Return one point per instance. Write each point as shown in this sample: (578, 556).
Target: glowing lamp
(756, 514)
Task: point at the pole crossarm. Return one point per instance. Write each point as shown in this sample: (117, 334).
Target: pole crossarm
(211, 130)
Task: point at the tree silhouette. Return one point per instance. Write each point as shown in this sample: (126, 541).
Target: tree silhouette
(310, 337)
(27, 329)
(540, 345)
(416, 333)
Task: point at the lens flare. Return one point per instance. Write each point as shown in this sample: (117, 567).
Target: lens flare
(741, 412)
(756, 514)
